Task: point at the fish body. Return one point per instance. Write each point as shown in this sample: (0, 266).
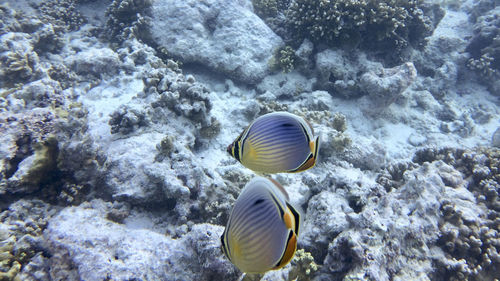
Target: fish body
(276, 142)
(261, 233)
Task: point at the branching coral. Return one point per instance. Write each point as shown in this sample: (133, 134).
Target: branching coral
(472, 243)
(265, 8)
(127, 18)
(62, 14)
(284, 59)
(303, 266)
(485, 48)
(385, 26)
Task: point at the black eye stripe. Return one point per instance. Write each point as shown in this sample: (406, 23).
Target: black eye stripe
(236, 148)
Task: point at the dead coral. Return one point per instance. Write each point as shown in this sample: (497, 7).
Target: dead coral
(126, 120)
(472, 244)
(18, 61)
(186, 97)
(21, 229)
(387, 85)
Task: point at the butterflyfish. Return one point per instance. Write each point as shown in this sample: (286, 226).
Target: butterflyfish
(262, 230)
(276, 142)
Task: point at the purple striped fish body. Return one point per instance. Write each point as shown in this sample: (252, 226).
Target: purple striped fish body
(261, 233)
(276, 142)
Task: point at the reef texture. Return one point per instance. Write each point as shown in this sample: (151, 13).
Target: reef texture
(83, 235)
(485, 48)
(222, 35)
(386, 27)
(115, 117)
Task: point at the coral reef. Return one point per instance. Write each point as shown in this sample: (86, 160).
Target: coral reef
(326, 220)
(184, 96)
(125, 120)
(384, 26)
(303, 266)
(187, 99)
(18, 61)
(283, 86)
(62, 14)
(94, 64)
(225, 36)
(265, 8)
(123, 255)
(39, 154)
(485, 49)
(115, 115)
(284, 59)
(386, 86)
(21, 240)
(128, 19)
(339, 73)
(470, 239)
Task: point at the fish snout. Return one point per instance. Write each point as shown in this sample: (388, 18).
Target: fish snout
(230, 149)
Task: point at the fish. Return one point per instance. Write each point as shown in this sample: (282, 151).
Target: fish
(278, 142)
(263, 227)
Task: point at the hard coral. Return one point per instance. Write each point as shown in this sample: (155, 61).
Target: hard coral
(303, 266)
(472, 243)
(21, 228)
(485, 49)
(284, 59)
(125, 120)
(18, 61)
(62, 14)
(127, 18)
(384, 26)
(265, 8)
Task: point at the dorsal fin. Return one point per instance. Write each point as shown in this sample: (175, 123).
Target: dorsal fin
(281, 188)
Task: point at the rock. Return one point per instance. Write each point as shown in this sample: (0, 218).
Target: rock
(339, 72)
(495, 139)
(97, 247)
(95, 62)
(223, 35)
(405, 223)
(387, 85)
(304, 55)
(325, 219)
(285, 86)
